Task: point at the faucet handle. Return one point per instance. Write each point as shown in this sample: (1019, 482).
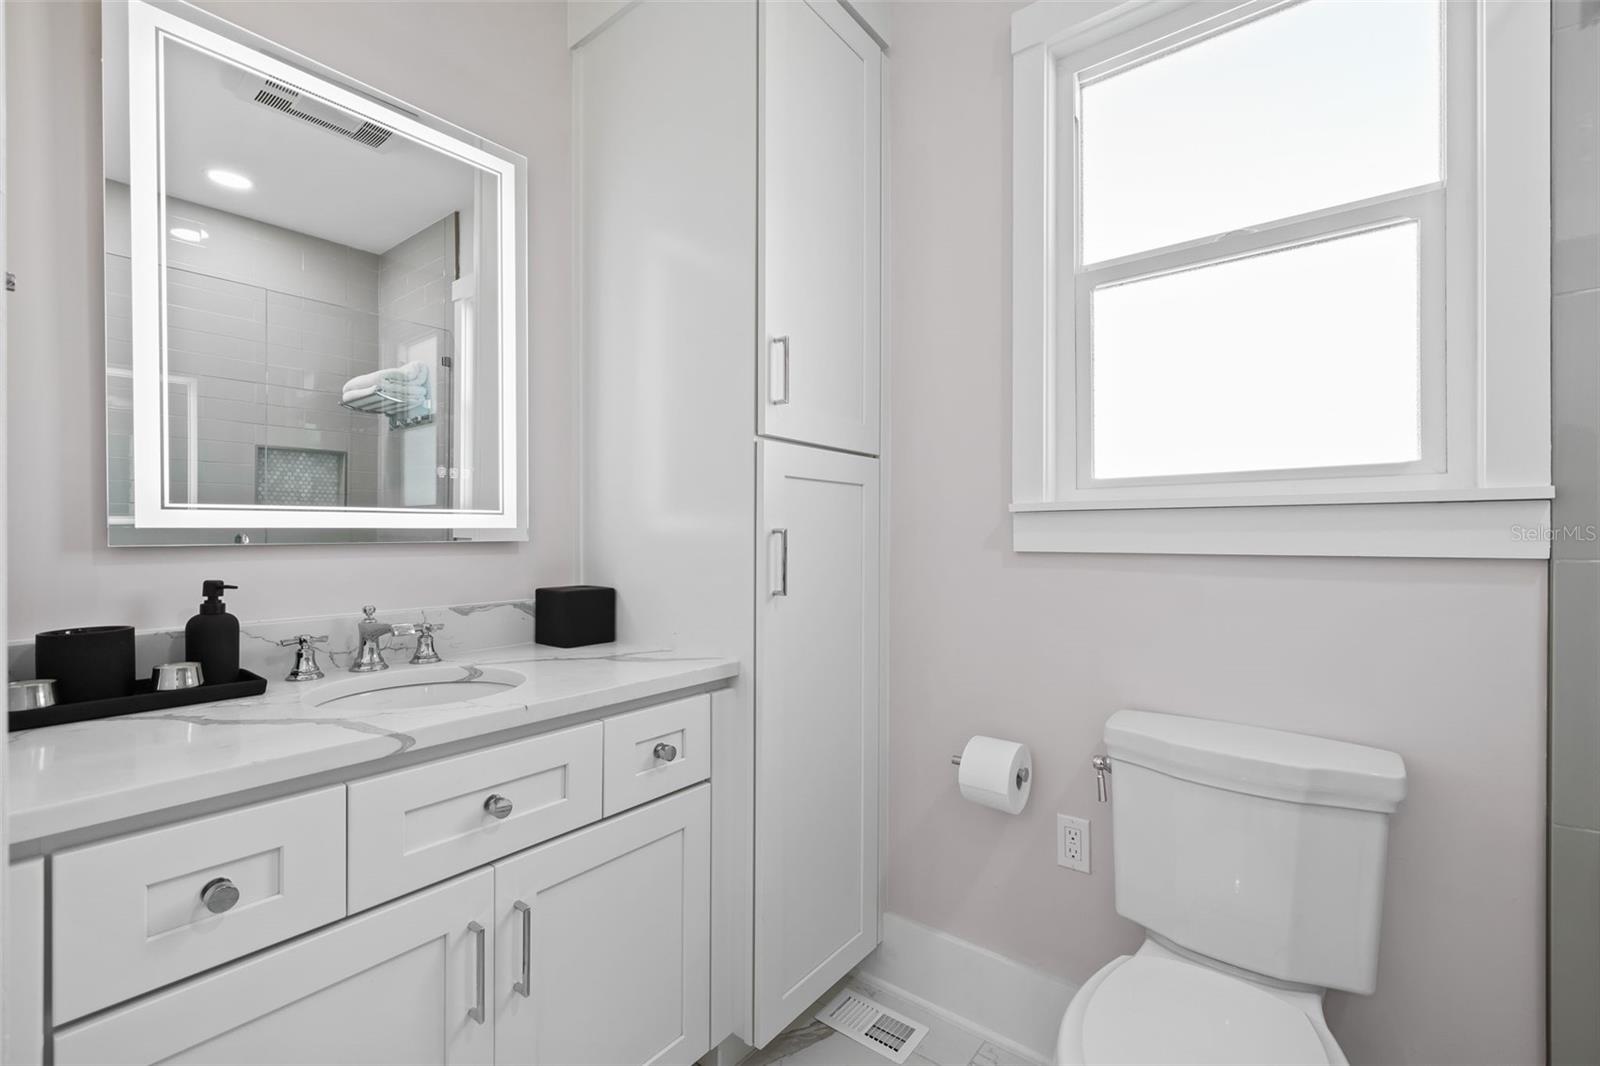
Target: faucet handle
(426, 653)
(305, 657)
(368, 611)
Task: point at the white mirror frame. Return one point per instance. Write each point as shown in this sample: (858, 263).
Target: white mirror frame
(148, 27)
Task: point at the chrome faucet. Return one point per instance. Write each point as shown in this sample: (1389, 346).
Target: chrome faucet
(369, 656)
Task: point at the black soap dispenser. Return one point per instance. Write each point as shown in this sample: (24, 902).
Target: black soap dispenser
(212, 637)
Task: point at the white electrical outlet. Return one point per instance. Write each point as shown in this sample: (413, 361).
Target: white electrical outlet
(1072, 842)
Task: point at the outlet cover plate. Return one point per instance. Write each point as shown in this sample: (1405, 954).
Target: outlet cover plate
(1072, 842)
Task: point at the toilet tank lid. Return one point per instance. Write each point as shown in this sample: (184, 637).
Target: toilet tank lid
(1261, 762)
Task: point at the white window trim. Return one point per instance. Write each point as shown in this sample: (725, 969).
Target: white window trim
(1487, 496)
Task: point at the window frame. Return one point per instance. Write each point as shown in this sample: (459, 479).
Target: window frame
(1485, 348)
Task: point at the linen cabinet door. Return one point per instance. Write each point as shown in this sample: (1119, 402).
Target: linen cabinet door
(405, 983)
(604, 942)
(822, 101)
(817, 719)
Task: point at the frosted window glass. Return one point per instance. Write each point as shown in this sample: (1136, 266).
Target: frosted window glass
(1323, 103)
(1304, 357)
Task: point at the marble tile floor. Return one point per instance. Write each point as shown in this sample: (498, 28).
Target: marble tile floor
(809, 1042)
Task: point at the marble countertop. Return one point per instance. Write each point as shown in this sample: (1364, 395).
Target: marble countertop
(70, 777)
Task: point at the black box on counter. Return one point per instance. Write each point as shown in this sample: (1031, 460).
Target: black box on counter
(571, 616)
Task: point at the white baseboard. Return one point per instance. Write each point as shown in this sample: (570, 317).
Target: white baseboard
(1011, 1005)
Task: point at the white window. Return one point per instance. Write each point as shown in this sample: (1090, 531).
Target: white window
(1281, 280)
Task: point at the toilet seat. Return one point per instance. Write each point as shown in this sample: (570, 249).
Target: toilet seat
(1147, 1009)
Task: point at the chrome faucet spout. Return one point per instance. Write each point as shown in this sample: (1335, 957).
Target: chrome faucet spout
(369, 655)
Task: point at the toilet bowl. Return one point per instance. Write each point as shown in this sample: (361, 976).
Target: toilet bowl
(1254, 860)
(1158, 1007)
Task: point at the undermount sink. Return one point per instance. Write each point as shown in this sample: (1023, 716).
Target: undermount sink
(410, 688)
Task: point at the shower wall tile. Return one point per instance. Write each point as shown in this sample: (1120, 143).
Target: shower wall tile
(1575, 410)
(1575, 150)
(1574, 946)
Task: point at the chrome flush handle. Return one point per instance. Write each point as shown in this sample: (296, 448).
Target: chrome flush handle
(1102, 772)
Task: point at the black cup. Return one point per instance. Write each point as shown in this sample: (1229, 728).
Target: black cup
(87, 663)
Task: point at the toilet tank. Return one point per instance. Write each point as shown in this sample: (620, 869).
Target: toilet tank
(1259, 848)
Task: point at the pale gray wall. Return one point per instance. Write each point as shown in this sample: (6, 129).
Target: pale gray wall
(500, 70)
(1441, 661)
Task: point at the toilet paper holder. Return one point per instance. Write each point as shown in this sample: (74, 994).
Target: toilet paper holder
(1022, 774)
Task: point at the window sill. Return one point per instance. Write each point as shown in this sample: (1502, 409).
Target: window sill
(1456, 528)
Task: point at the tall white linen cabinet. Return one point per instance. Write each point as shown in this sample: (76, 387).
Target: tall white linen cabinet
(729, 187)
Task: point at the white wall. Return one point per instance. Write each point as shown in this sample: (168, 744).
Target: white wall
(500, 70)
(1441, 661)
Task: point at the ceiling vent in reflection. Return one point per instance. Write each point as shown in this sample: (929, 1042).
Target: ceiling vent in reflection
(291, 101)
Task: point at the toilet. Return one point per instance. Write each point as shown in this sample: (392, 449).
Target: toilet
(1254, 860)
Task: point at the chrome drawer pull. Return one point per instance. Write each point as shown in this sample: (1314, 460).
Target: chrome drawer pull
(219, 895)
(498, 806)
(665, 752)
(525, 986)
(476, 1013)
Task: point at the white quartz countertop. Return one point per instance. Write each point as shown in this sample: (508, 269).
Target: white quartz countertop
(70, 777)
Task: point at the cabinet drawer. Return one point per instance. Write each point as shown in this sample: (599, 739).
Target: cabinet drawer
(128, 915)
(635, 774)
(413, 827)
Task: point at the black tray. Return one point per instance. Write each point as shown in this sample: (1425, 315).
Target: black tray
(144, 698)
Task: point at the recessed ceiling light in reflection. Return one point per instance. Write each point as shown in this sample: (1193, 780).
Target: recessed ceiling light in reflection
(189, 234)
(229, 179)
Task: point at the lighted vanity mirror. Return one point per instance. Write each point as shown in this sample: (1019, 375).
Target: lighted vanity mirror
(315, 320)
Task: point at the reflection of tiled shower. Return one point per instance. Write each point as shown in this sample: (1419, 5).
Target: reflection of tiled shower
(266, 363)
(416, 313)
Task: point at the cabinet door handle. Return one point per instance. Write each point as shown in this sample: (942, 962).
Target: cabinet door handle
(497, 806)
(476, 1012)
(665, 752)
(525, 986)
(778, 561)
(778, 371)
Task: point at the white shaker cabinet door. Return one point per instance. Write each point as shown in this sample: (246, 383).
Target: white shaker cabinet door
(821, 77)
(604, 942)
(406, 983)
(22, 965)
(817, 721)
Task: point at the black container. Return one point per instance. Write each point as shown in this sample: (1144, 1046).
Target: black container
(574, 615)
(87, 663)
(212, 637)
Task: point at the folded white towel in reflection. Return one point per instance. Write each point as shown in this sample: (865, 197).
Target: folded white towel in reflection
(413, 374)
(412, 394)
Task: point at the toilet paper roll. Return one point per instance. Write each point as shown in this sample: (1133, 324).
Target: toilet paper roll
(996, 773)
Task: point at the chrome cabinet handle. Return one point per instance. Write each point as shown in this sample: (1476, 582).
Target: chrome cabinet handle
(476, 1012)
(778, 373)
(665, 752)
(780, 566)
(498, 806)
(525, 986)
(219, 895)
